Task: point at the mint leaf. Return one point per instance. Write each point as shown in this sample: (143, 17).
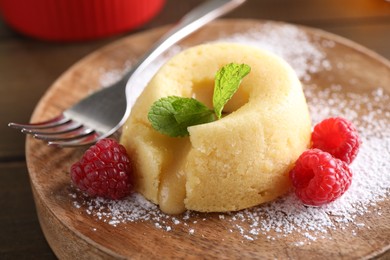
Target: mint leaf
(227, 81)
(173, 115)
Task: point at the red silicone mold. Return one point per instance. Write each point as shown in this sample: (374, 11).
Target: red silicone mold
(69, 20)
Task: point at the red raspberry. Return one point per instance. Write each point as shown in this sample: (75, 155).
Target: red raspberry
(103, 171)
(338, 137)
(319, 178)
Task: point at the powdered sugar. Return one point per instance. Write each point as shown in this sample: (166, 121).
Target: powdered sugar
(370, 112)
(288, 42)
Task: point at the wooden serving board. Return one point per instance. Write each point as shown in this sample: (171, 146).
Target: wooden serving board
(74, 234)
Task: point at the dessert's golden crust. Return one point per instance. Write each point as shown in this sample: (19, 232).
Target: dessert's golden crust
(237, 162)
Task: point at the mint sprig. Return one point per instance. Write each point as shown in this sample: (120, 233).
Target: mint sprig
(172, 115)
(227, 81)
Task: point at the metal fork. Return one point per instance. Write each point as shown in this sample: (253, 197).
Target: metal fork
(104, 112)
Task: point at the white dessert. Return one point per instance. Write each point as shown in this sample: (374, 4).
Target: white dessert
(239, 161)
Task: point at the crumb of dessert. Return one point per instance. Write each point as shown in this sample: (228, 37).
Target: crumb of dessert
(319, 178)
(237, 162)
(337, 136)
(103, 171)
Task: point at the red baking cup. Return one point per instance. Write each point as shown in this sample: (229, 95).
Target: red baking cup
(69, 20)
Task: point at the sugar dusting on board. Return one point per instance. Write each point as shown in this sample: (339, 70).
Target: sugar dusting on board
(370, 112)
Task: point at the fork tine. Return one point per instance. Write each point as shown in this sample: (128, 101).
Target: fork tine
(59, 120)
(63, 128)
(89, 139)
(75, 134)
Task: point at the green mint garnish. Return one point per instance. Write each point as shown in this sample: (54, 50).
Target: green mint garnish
(227, 81)
(172, 115)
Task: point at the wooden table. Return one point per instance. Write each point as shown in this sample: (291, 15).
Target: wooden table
(28, 67)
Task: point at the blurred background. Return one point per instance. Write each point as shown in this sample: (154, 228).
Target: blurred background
(29, 64)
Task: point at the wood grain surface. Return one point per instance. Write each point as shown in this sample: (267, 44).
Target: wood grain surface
(29, 66)
(70, 230)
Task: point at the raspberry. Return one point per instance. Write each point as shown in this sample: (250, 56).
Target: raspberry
(319, 178)
(103, 171)
(338, 137)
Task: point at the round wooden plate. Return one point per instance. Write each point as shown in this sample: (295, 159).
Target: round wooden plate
(72, 233)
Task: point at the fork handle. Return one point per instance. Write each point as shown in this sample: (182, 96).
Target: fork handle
(191, 22)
